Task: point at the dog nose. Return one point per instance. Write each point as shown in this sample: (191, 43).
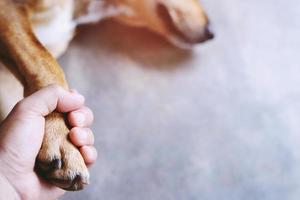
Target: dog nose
(207, 34)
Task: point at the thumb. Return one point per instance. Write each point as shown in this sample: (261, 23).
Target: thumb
(48, 99)
(26, 121)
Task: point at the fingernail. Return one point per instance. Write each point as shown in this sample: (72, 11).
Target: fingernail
(77, 93)
(74, 91)
(90, 154)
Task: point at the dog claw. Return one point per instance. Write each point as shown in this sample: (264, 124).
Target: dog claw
(56, 164)
(75, 184)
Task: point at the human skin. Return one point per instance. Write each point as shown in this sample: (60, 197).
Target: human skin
(21, 136)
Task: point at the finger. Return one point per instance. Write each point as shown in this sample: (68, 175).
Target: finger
(48, 99)
(89, 154)
(83, 117)
(81, 136)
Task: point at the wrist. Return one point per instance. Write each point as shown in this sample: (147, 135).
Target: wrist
(7, 191)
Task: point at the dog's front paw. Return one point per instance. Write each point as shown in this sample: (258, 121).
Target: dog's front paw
(59, 161)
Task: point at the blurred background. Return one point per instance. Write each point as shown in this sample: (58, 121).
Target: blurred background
(219, 122)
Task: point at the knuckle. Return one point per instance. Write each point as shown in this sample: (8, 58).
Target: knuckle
(54, 86)
(21, 107)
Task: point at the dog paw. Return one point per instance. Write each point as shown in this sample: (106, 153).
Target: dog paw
(59, 161)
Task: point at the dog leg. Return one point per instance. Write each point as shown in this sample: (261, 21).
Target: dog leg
(11, 91)
(59, 161)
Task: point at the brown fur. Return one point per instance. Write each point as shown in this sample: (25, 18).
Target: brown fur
(36, 68)
(22, 53)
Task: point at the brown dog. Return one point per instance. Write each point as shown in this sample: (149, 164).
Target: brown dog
(33, 32)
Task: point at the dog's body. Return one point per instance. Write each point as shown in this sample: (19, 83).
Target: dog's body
(33, 32)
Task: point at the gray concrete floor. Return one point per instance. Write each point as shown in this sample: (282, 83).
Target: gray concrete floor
(218, 123)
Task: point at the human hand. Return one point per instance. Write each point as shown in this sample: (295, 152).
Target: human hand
(21, 136)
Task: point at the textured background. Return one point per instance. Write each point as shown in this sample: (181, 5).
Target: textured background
(218, 123)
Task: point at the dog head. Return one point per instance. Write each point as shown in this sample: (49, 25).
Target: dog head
(183, 23)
